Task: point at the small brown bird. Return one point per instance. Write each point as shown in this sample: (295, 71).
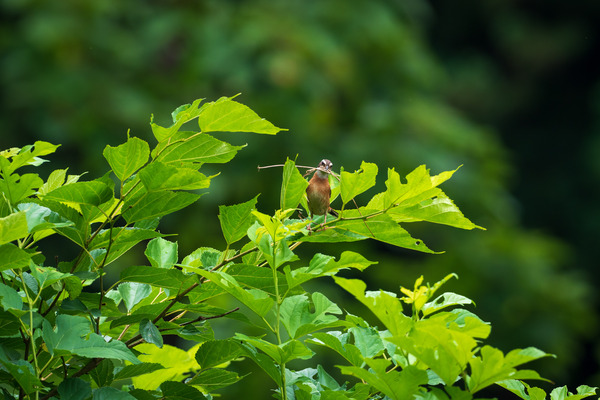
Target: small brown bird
(318, 191)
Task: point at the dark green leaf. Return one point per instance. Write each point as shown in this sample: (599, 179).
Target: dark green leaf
(103, 373)
(214, 378)
(17, 187)
(130, 371)
(109, 393)
(160, 277)
(150, 333)
(73, 335)
(128, 157)
(213, 353)
(180, 391)
(74, 389)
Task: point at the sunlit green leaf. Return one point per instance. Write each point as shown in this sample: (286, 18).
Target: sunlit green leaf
(353, 184)
(298, 319)
(192, 147)
(159, 176)
(181, 115)
(177, 364)
(235, 220)
(226, 115)
(12, 257)
(13, 227)
(293, 186)
(161, 253)
(93, 193)
(128, 157)
(29, 155)
(214, 378)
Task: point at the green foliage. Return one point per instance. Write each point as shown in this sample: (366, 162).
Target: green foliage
(69, 332)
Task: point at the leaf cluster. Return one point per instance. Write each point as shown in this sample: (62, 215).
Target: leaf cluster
(68, 334)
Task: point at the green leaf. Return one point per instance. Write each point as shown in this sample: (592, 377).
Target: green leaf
(297, 318)
(322, 265)
(445, 300)
(29, 155)
(293, 186)
(129, 371)
(263, 361)
(438, 210)
(159, 277)
(339, 343)
(93, 193)
(12, 257)
(180, 391)
(192, 147)
(214, 379)
(13, 227)
(122, 240)
(281, 354)
(69, 337)
(22, 371)
(133, 292)
(181, 115)
(40, 218)
(10, 299)
(161, 253)
(213, 353)
(74, 389)
(17, 187)
(128, 157)
(150, 333)
(156, 204)
(384, 305)
(226, 115)
(158, 176)
(381, 227)
(353, 184)
(492, 366)
(236, 219)
(103, 373)
(446, 351)
(257, 300)
(396, 385)
(255, 277)
(109, 393)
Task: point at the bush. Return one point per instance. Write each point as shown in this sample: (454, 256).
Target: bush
(70, 333)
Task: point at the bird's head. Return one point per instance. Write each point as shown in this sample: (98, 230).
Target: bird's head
(324, 168)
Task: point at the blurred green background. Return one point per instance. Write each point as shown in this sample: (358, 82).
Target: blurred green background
(508, 89)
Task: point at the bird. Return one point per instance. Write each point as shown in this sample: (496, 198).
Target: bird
(318, 192)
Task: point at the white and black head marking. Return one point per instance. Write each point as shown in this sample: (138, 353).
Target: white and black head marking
(325, 165)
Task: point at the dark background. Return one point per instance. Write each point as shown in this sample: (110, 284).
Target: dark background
(507, 89)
